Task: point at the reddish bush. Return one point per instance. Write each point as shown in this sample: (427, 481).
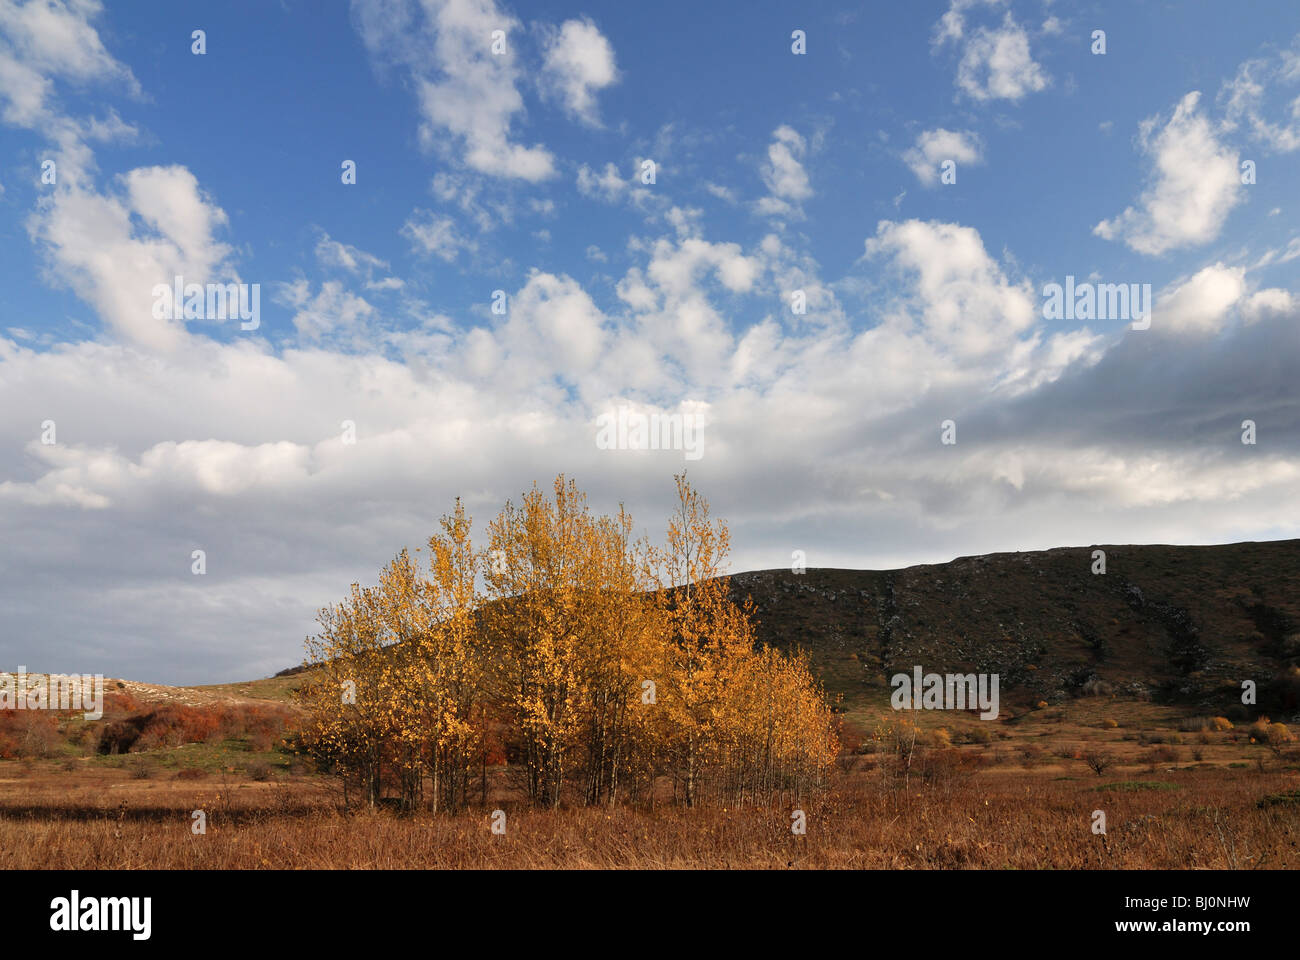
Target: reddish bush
(119, 703)
(27, 733)
(174, 724)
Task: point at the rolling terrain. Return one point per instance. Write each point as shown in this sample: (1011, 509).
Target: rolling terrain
(1174, 624)
(1120, 692)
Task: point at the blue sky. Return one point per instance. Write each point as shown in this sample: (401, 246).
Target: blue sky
(263, 118)
(520, 172)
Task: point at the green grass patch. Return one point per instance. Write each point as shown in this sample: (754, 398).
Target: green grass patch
(210, 757)
(1289, 799)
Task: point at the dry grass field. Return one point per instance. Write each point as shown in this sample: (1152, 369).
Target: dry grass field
(1024, 800)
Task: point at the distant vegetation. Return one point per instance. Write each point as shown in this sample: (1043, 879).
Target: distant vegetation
(129, 725)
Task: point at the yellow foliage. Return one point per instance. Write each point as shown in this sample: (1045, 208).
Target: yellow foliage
(595, 661)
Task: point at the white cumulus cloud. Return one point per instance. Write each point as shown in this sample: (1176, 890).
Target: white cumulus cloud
(1194, 184)
(933, 147)
(578, 62)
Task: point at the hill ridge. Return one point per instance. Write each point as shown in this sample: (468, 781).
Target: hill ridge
(1182, 623)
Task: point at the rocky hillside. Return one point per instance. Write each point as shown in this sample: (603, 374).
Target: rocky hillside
(1179, 624)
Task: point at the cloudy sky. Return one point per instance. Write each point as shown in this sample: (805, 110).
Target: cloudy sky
(648, 193)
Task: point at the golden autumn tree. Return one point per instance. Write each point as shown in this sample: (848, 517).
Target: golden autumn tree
(350, 697)
(782, 733)
(707, 636)
(618, 657)
(540, 576)
(604, 663)
(401, 607)
(449, 665)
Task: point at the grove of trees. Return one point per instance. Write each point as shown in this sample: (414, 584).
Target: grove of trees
(598, 667)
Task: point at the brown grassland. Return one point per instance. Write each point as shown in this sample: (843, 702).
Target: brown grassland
(1025, 800)
(430, 706)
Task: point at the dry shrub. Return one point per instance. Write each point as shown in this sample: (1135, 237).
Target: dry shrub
(1030, 753)
(37, 734)
(947, 769)
(1098, 761)
(898, 741)
(979, 735)
(1259, 730)
(120, 703)
(1278, 734)
(79, 735)
(1159, 755)
(118, 736)
(150, 740)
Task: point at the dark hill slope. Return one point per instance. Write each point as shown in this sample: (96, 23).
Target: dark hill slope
(1184, 624)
